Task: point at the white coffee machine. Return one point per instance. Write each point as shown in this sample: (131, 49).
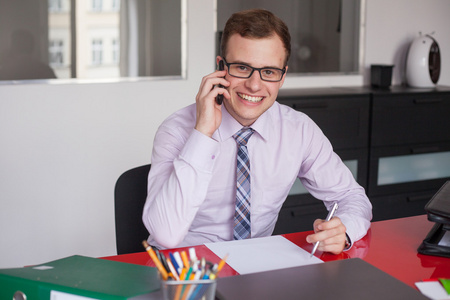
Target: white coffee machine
(423, 64)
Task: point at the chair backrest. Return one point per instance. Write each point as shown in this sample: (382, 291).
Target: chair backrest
(130, 194)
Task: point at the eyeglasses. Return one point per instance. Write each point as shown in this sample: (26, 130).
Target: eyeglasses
(245, 71)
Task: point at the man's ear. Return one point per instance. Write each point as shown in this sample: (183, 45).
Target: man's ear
(218, 58)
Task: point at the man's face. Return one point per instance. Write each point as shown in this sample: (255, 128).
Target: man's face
(251, 97)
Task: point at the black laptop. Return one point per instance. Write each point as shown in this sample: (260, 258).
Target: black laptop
(342, 279)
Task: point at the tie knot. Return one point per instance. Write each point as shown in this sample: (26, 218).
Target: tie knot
(243, 135)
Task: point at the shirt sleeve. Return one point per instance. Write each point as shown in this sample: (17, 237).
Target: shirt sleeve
(178, 181)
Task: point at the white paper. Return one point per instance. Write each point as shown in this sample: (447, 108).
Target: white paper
(262, 254)
(55, 295)
(433, 290)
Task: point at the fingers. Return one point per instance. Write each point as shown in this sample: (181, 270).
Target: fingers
(330, 235)
(320, 224)
(209, 113)
(209, 87)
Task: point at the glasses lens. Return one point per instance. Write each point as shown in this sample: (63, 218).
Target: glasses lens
(271, 74)
(244, 71)
(239, 70)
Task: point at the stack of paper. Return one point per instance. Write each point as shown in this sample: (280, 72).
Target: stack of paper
(262, 254)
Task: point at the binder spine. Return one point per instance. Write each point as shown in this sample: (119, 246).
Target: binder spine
(9, 286)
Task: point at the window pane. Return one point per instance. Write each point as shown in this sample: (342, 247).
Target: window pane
(115, 51)
(56, 51)
(121, 38)
(59, 35)
(97, 5)
(324, 33)
(97, 52)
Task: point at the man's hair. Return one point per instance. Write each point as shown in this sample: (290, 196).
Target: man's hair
(256, 24)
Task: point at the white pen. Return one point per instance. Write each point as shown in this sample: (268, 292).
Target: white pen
(329, 217)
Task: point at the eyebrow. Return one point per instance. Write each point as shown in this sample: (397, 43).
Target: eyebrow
(247, 64)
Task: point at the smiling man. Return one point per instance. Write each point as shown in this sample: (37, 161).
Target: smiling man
(222, 172)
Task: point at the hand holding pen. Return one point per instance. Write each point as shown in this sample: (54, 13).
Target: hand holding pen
(330, 215)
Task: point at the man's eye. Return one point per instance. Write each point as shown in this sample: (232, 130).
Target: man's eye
(242, 68)
(270, 72)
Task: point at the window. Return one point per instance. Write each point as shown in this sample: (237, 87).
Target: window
(97, 52)
(55, 5)
(56, 53)
(115, 5)
(97, 5)
(131, 34)
(324, 33)
(115, 51)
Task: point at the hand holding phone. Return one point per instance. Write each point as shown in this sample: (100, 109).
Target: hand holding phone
(219, 98)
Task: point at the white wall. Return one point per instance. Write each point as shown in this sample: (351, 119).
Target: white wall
(393, 24)
(63, 146)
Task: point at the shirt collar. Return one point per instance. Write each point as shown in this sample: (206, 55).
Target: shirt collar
(230, 126)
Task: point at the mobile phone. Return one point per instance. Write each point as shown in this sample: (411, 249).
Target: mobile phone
(219, 98)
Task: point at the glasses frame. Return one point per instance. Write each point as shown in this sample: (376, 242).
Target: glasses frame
(283, 71)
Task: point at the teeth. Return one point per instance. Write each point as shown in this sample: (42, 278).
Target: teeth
(250, 98)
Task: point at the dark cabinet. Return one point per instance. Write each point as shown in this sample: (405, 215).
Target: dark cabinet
(396, 142)
(410, 118)
(409, 149)
(343, 116)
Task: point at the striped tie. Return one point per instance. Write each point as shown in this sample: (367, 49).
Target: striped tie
(242, 213)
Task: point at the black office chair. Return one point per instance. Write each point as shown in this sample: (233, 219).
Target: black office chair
(129, 198)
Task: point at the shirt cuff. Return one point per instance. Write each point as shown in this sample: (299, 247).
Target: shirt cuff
(348, 242)
(200, 151)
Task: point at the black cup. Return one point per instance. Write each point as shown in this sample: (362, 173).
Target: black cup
(381, 76)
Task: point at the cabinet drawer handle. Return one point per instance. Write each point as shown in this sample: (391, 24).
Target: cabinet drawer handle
(420, 150)
(310, 105)
(427, 100)
(417, 198)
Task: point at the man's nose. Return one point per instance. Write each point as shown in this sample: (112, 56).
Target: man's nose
(254, 82)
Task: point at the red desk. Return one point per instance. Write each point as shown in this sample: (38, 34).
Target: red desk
(389, 245)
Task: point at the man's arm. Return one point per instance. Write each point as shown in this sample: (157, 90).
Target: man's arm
(177, 184)
(350, 224)
(327, 178)
(182, 164)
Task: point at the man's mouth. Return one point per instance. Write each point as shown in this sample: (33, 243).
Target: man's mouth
(249, 98)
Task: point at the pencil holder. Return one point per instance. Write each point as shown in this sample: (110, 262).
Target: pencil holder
(204, 289)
